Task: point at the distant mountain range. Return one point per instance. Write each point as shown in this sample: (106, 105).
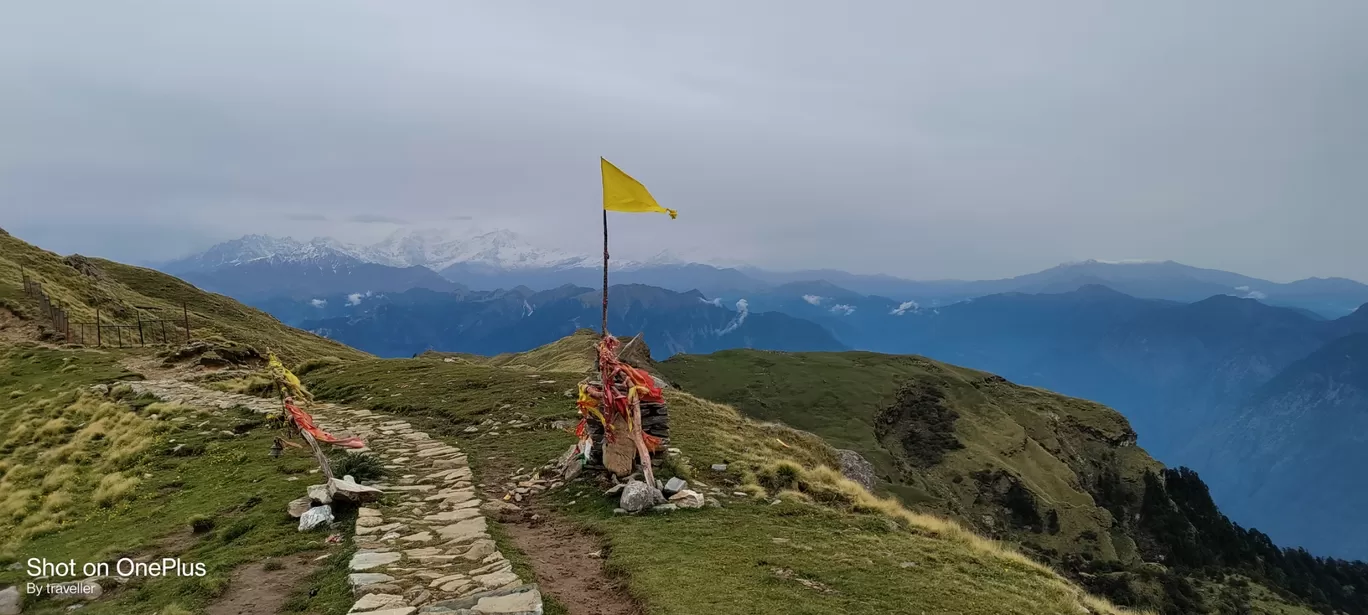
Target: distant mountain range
(493, 322)
(1256, 384)
(501, 259)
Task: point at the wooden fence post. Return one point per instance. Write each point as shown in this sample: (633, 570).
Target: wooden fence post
(99, 341)
(141, 342)
(185, 311)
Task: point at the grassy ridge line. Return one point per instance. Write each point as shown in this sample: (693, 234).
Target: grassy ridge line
(748, 557)
(117, 290)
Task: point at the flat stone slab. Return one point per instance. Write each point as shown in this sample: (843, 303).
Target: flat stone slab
(371, 602)
(357, 579)
(453, 516)
(375, 559)
(408, 610)
(496, 580)
(469, 529)
(524, 603)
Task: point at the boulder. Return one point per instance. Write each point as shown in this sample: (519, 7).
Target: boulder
(687, 499)
(315, 517)
(638, 496)
(856, 468)
(11, 601)
(719, 467)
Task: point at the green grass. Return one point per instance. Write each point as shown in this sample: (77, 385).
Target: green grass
(1051, 444)
(98, 480)
(118, 290)
(718, 560)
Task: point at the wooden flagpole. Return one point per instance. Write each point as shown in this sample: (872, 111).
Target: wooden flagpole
(605, 272)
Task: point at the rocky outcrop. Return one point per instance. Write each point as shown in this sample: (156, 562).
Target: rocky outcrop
(856, 468)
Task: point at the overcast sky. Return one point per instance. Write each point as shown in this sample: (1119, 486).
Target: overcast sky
(922, 139)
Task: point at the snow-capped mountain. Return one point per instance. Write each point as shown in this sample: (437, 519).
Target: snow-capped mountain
(434, 249)
(438, 249)
(253, 248)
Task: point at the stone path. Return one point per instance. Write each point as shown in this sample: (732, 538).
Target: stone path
(425, 548)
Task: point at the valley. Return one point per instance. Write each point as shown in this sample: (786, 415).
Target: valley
(959, 458)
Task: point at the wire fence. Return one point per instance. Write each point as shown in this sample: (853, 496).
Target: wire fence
(149, 330)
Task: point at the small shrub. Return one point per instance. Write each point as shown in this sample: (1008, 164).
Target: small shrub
(200, 524)
(113, 488)
(272, 565)
(781, 476)
(236, 530)
(361, 466)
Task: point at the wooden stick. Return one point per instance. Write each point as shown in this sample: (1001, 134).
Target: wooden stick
(605, 272)
(638, 437)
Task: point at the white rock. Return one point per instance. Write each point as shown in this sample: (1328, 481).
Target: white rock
(315, 517)
(11, 601)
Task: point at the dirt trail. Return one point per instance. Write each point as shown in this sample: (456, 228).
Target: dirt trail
(569, 566)
(255, 590)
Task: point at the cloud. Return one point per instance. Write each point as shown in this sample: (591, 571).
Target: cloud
(460, 218)
(843, 309)
(322, 303)
(375, 219)
(216, 122)
(743, 310)
(813, 299)
(306, 217)
(355, 298)
(717, 301)
(904, 307)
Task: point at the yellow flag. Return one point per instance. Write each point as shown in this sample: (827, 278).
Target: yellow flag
(622, 193)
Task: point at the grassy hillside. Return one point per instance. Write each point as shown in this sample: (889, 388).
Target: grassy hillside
(828, 546)
(94, 477)
(1014, 462)
(119, 291)
(1059, 477)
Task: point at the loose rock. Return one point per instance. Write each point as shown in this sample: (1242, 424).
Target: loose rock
(315, 517)
(298, 507)
(11, 601)
(675, 485)
(688, 499)
(638, 496)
